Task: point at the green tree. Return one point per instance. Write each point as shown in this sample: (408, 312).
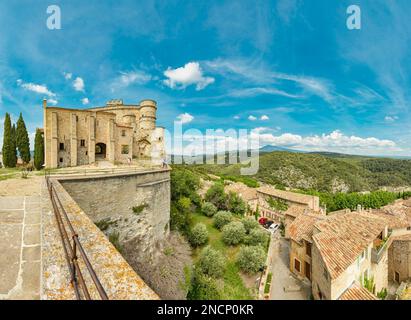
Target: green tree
(217, 196)
(236, 204)
(208, 209)
(249, 224)
(184, 183)
(221, 218)
(22, 140)
(203, 288)
(211, 262)
(38, 150)
(256, 236)
(233, 233)
(251, 259)
(9, 146)
(198, 235)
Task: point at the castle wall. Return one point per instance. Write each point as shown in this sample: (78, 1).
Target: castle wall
(112, 198)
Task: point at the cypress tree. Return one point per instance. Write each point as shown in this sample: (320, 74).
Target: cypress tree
(22, 140)
(14, 145)
(9, 151)
(38, 150)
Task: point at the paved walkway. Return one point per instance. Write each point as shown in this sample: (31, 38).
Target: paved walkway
(284, 285)
(20, 266)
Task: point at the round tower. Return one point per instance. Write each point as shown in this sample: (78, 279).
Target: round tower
(148, 110)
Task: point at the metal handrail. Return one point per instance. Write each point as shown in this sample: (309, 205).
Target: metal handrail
(70, 250)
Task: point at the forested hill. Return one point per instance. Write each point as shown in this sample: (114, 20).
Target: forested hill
(324, 173)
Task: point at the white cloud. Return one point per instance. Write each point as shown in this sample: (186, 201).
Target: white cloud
(390, 118)
(334, 141)
(85, 101)
(52, 101)
(190, 74)
(37, 88)
(78, 84)
(185, 118)
(264, 117)
(131, 77)
(67, 75)
(252, 118)
(236, 117)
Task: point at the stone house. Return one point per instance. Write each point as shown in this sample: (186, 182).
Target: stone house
(115, 133)
(300, 234)
(349, 248)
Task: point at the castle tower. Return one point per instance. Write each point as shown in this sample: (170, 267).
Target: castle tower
(147, 126)
(148, 110)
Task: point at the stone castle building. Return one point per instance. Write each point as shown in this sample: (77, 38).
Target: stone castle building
(117, 133)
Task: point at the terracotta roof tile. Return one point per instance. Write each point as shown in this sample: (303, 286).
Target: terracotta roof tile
(356, 292)
(302, 227)
(286, 195)
(342, 237)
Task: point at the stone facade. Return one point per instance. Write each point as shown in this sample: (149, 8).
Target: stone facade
(399, 257)
(115, 132)
(110, 200)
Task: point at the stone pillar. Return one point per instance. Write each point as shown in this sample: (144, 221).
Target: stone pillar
(110, 139)
(92, 140)
(73, 140)
(54, 141)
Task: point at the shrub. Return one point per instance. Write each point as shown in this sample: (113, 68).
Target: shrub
(257, 237)
(211, 262)
(222, 218)
(208, 209)
(217, 196)
(203, 288)
(249, 224)
(382, 294)
(233, 233)
(251, 259)
(236, 204)
(198, 235)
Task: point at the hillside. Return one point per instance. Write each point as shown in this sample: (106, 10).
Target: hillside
(322, 172)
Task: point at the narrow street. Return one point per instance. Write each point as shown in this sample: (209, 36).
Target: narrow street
(284, 285)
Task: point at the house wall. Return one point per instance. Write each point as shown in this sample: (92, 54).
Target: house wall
(298, 251)
(399, 260)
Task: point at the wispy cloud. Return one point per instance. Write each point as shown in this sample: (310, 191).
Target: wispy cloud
(37, 88)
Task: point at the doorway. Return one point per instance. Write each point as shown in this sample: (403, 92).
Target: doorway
(101, 150)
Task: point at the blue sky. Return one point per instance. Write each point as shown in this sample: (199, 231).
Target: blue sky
(289, 70)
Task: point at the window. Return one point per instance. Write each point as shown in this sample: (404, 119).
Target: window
(124, 149)
(297, 265)
(123, 133)
(82, 143)
(61, 147)
(308, 249)
(61, 159)
(397, 277)
(409, 228)
(86, 153)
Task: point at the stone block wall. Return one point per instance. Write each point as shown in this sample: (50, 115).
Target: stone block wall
(111, 199)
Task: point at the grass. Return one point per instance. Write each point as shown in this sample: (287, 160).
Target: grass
(234, 287)
(114, 238)
(268, 283)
